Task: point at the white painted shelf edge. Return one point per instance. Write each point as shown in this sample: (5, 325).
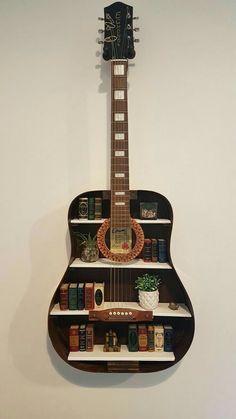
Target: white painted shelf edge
(105, 263)
(124, 355)
(85, 221)
(161, 310)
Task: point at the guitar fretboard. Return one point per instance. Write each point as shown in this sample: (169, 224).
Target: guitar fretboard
(120, 195)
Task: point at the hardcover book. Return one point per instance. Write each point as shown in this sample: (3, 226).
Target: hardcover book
(73, 296)
(159, 338)
(151, 340)
(82, 337)
(64, 297)
(162, 250)
(89, 337)
(98, 208)
(98, 295)
(74, 338)
(81, 296)
(91, 208)
(142, 337)
(89, 296)
(168, 338)
(133, 338)
(154, 250)
(83, 208)
(147, 250)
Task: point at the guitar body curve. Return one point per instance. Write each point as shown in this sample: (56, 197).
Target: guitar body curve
(171, 290)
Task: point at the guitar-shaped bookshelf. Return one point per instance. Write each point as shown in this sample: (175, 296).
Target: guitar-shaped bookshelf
(122, 230)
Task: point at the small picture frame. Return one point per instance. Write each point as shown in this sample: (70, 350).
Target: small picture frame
(148, 210)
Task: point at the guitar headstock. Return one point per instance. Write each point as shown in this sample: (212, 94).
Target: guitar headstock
(118, 32)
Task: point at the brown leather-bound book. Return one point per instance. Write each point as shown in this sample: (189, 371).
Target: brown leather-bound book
(74, 338)
(89, 296)
(142, 337)
(64, 297)
(89, 337)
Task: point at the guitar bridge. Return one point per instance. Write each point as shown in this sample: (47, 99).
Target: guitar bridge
(121, 315)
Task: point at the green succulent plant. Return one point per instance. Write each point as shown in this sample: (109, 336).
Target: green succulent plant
(147, 282)
(87, 240)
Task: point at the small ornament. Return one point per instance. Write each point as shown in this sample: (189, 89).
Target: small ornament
(173, 306)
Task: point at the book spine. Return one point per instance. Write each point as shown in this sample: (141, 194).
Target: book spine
(64, 297)
(132, 338)
(82, 337)
(89, 297)
(154, 250)
(98, 295)
(74, 338)
(91, 208)
(81, 297)
(89, 337)
(73, 297)
(147, 250)
(83, 208)
(162, 250)
(151, 340)
(98, 208)
(168, 338)
(142, 337)
(159, 338)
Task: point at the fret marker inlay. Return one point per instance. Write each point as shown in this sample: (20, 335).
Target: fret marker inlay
(119, 69)
(119, 203)
(119, 175)
(119, 94)
(119, 116)
(119, 153)
(120, 193)
(119, 136)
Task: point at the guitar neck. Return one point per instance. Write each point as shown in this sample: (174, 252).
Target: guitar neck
(120, 194)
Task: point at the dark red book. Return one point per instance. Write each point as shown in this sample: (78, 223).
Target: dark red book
(89, 296)
(142, 337)
(64, 297)
(74, 338)
(89, 337)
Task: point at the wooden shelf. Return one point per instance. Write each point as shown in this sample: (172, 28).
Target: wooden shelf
(161, 310)
(124, 355)
(105, 263)
(82, 221)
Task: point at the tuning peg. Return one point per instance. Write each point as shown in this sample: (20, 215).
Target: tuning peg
(136, 29)
(135, 18)
(136, 40)
(99, 41)
(101, 31)
(100, 18)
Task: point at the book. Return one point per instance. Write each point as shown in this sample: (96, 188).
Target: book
(89, 337)
(132, 338)
(73, 296)
(82, 337)
(159, 338)
(147, 250)
(142, 337)
(91, 208)
(80, 296)
(151, 340)
(74, 338)
(154, 250)
(98, 295)
(63, 303)
(89, 296)
(162, 250)
(98, 208)
(168, 338)
(83, 208)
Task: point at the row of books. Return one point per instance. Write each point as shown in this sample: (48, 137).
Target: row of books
(90, 208)
(150, 338)
(155, 250)
(81, 338)
(88, 296)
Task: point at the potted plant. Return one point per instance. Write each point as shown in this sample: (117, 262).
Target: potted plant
(90, 252)
(147, 286)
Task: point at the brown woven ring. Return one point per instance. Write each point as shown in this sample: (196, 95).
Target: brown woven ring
(120, 257)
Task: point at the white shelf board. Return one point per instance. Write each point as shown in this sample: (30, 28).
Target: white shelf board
(124, 355)
(83, 221)
(161, 310)
(105, 263)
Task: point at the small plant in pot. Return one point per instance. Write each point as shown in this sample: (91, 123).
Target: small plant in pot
(90, 252)
(147, 286)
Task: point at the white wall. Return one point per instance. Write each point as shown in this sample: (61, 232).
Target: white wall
(54, 119)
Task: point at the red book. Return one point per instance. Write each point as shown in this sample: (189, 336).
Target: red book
(89, 338)
(74, 338)
(89, 296)
(142, 337)
(64, 297)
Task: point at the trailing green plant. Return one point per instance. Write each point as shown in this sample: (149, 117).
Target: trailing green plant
(87, 240)
(147, 282)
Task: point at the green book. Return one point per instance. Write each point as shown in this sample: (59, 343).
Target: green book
(73, 297)
(91, 208)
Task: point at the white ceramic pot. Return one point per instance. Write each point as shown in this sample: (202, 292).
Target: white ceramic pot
(149, 299)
